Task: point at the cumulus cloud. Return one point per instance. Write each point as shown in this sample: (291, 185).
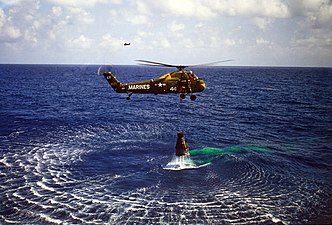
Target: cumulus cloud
(108, 41)
(207, 9)
(13, 23)
(261, 11)
(137, 14)
(80, 16)
(10, 2)
(137, 19)
(57, 10)
(25, 25)
(186, 8)
(233, 42)
(11, 32)
(81, 42)
(7, 30)
(322, 17)
(263, 23)
(318, 13)
(262, 41)
(305, 7)
(89, 3)
(256, 8)
(176, 27)
(161, 42)
(315, 30)
(218, 26)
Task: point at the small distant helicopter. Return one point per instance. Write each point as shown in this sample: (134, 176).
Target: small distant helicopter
(181, 82)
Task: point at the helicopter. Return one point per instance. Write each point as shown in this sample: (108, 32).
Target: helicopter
(181, 81)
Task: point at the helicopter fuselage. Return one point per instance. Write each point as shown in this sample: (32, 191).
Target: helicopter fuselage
(183, 82)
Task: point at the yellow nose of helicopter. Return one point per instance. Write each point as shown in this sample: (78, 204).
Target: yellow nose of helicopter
(201, 85)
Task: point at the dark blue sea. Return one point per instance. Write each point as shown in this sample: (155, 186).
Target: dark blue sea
(72, 151)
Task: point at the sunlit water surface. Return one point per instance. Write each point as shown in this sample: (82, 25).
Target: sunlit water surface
(75, 152)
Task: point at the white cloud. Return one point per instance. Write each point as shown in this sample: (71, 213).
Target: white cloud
(199, 25)
(262, 41)
(2, 17)
(80, 15)
(138, 13)
(324, 16)
(30, 37)
(209, 9)
(305, 7)
(162, 42)
(315, 30)
(20, 21)
(108, 41)
(186, 28)
(12, 32)
(142, 8)
(8, 31)
(187, 8)
(318, 13)
(10, 2)
(137, 19)
(88, 3)
(230, 42)
(57, 10)
(255, 8)
(176, 27)
(263, 23)
(81, 42)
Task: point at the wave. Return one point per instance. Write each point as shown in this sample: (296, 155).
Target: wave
(74, 152)
(235, 184)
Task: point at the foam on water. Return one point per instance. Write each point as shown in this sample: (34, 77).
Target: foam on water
(182, 163)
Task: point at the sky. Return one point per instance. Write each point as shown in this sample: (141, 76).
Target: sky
(252, 32)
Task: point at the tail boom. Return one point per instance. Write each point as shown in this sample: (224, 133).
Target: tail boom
(115, 83)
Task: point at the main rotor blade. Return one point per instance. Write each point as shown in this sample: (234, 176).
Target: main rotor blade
(151, 63)
(179, 67)
(211, 63)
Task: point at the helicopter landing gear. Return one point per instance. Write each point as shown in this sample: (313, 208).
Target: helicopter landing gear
(129, 95)
(192, 96)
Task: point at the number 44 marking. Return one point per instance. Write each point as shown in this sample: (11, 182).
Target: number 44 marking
(172, 89)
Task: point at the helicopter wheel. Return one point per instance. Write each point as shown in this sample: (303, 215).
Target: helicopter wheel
(193, 97)
(182, 96)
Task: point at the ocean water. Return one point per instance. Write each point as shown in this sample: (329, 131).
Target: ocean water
(72, 151)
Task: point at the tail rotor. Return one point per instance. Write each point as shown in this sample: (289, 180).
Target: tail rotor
(103, 69)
